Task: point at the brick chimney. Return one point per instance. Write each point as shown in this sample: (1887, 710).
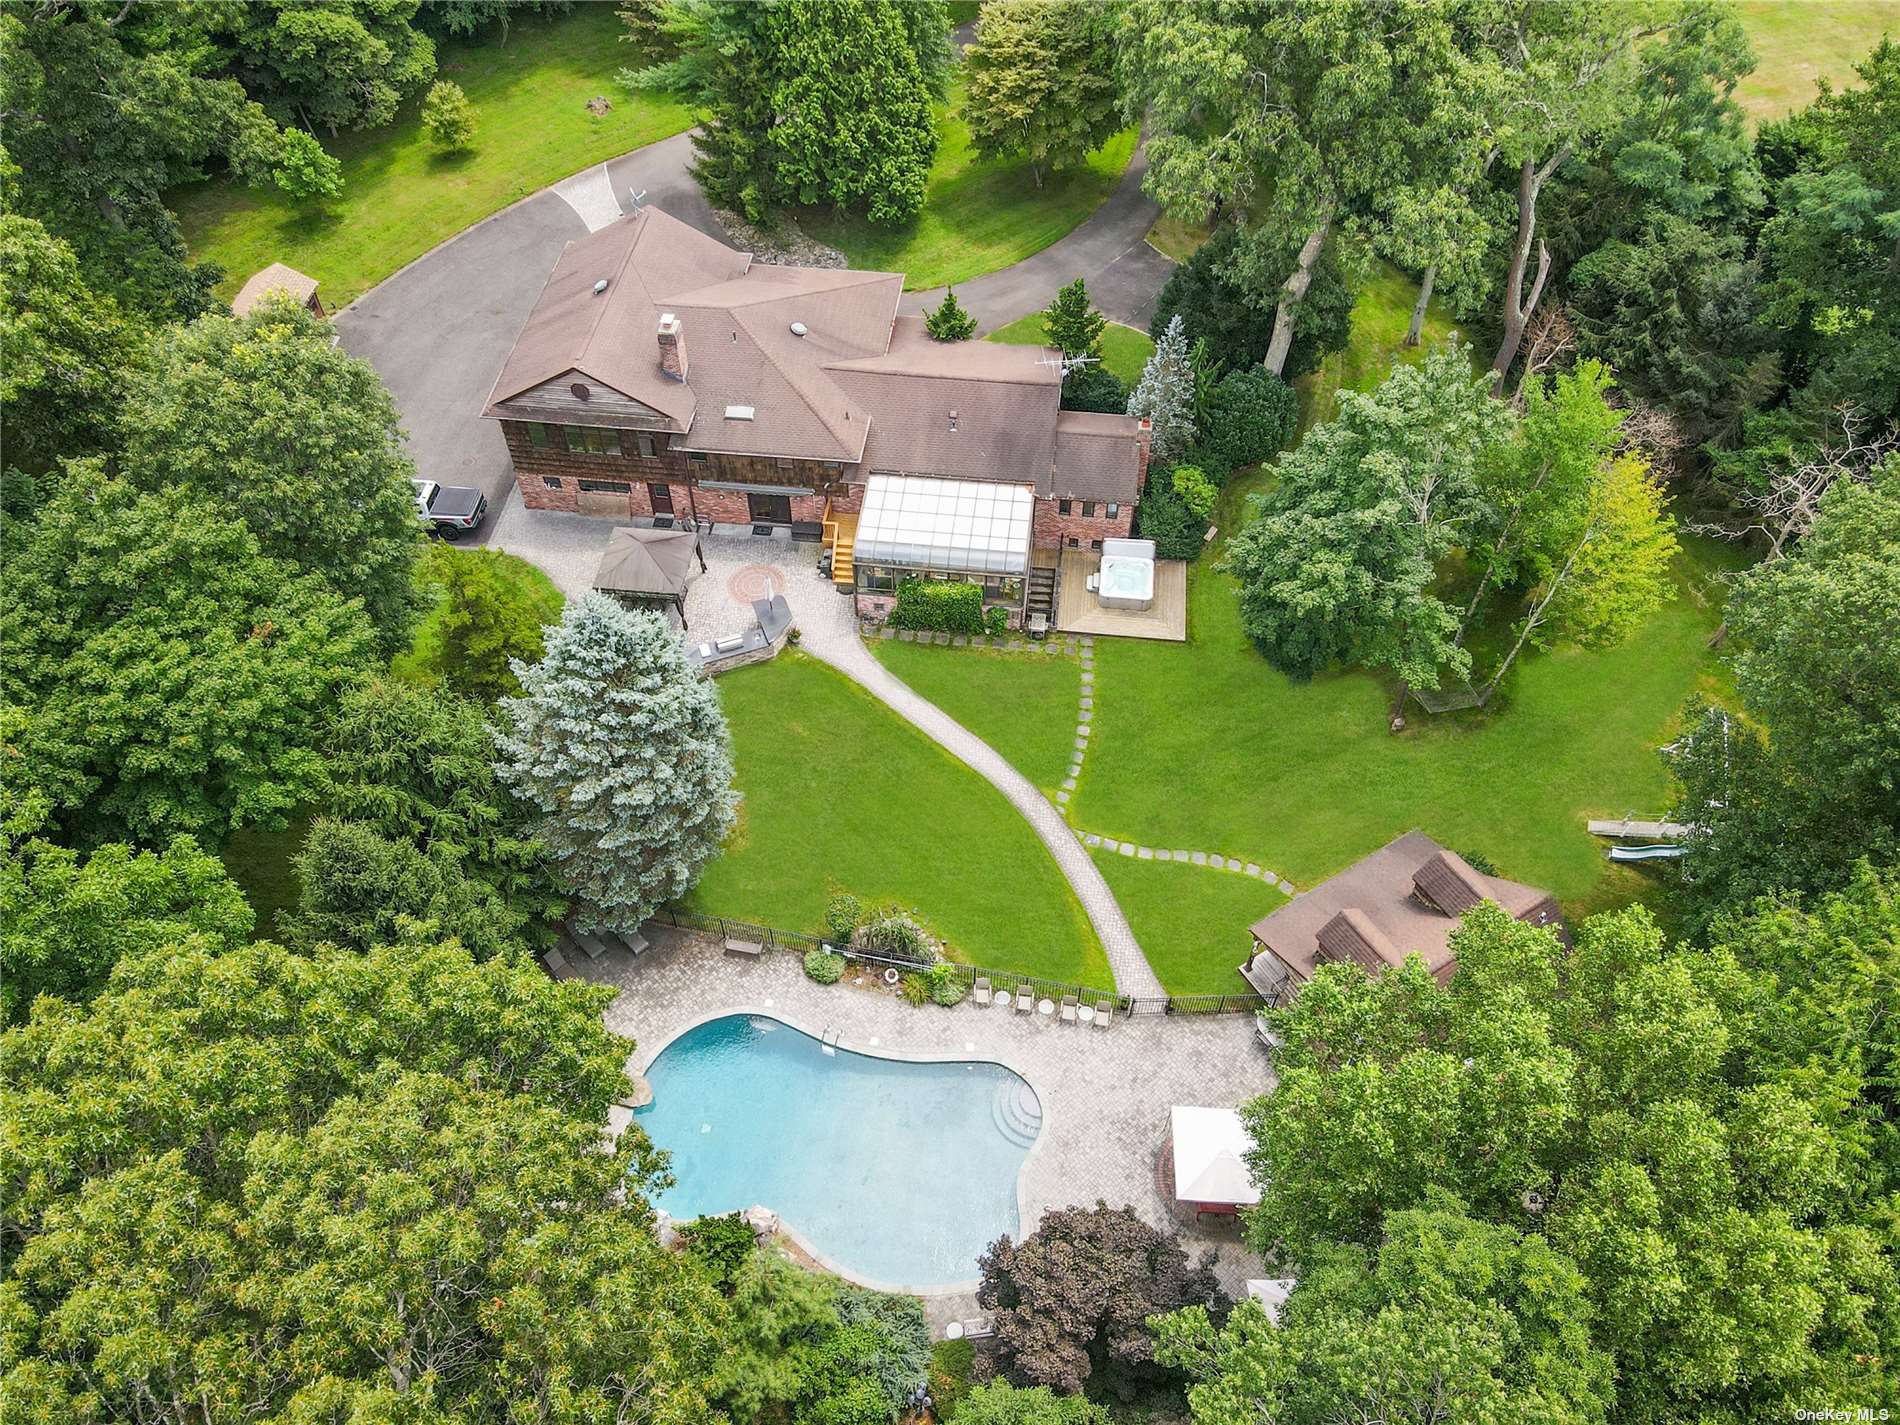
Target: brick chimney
(672, 347)
(1145, 430)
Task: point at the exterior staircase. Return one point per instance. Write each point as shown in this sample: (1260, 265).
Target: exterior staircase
(840, 533)
(1042, 593)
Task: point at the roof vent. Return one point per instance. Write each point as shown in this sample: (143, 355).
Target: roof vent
(799, 329)
(580, 392)
(738, 413)
(953, 420)
(600, 286)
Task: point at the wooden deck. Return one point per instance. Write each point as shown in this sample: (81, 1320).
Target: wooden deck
(1077, 610)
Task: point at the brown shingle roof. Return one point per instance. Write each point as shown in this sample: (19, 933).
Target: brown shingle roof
(276, 278)
(1370, 906)
(861, 386)
(1449, 883)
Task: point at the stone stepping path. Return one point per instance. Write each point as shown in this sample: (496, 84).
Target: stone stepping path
(1194, 858)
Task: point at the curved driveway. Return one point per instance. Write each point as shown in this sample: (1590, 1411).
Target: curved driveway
(438, 330)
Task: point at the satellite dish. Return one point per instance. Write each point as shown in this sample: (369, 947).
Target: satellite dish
(600, 286)
(581, 393)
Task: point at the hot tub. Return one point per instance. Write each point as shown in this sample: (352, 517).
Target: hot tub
(1127, 578)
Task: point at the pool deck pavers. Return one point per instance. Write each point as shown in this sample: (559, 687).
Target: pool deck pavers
(1105, 1093)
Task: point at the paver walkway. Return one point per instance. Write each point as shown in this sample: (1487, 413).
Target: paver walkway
(1104, 1093)
(568, 549)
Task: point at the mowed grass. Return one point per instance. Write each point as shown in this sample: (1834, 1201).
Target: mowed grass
(1022, 704)
(1381, 315)
(400, 197)
(1799, 42)
(1125, 350)
(1191, 920)
(842, 794)
(1203, 745)
(1177, 239)
(978, 215)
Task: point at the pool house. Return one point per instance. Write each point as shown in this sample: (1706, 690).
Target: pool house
(924, 527)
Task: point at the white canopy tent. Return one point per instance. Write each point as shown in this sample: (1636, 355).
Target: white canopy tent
(1210, 1166)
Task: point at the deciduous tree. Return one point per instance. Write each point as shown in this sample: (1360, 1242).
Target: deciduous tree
(620, 747)
(448, 116)
(344, 65)
(1040, 84)
(265, 417)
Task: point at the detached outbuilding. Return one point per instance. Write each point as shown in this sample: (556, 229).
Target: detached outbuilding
(277, 280)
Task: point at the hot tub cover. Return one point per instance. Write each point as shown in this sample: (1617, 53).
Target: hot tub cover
(957, 526)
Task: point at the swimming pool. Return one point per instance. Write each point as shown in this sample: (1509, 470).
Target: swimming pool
(900, 1173)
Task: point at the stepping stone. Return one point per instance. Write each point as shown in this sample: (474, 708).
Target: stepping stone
(887, 632)
(1128, 848)
(943, 639)
(1182, 856)
(1081, 729)
(1075, 769)
(1252, 869)
(1068, 784)
(1088, 678)
(1081, 744)
(1087, 703)
(1091, 840)
(1062, 797)
(1109, 843)
(1216, 862)
(1287, 886)
(959, 641)
(1086, 715)
(1200, 858)
(1145, 854)
(907, 634)
(1164, 855)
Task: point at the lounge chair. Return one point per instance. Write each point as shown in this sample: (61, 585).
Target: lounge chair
(555, 963)
(635, 942)
(980, 991)
(593, 946)
(1025, 1000)
(751, 948)
(1069, 1003)
(1104, 1011)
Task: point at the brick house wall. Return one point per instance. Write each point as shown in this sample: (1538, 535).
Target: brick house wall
(1051, 529)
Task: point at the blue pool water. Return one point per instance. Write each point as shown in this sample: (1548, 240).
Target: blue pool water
(901, 1173)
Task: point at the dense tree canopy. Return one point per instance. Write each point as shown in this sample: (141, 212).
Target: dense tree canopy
(366, 1186)
(272, 422)
(342, 65)
(1653, 1113)
(1237, 325)
(161, 674)
(1040, 82)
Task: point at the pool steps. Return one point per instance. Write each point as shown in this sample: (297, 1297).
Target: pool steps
(1017, 1111)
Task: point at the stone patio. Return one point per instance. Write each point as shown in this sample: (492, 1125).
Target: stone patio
(1105, 1093)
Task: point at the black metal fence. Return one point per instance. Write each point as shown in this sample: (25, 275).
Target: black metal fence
(1012, 981)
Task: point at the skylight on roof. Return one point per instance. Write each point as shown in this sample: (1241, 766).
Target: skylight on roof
(956, 526)
(738, 413)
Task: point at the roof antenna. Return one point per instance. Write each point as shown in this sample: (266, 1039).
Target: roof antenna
(1067, 363)
(636, 198)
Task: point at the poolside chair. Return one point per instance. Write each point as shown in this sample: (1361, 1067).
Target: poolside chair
(1104, 1011)
(1069, 1003)
(635, 942)
(980, 991)
(1025, 1000)
(556, 964)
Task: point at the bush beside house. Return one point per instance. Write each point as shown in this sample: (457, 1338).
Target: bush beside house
(940, 606)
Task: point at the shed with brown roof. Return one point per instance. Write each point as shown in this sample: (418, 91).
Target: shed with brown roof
(1405, 898)
(277, 280)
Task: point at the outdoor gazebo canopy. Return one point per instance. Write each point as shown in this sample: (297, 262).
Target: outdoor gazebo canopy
(650, 566)
(1210, 1169)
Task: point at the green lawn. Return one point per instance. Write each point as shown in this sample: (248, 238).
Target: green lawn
(260, 862)
(1203, 745)
(1191, 920)
(1125, 350)
(1176, 239)
(1022, 704)
(978, 215)
(842, 794)
(400, 198)
(1800, 41)
(1380, 316)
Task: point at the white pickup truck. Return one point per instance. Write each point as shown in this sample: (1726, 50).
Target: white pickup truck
(449, 510)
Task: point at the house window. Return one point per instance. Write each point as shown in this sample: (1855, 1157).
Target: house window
(832, 467)
(1088, 509)
(539, 436)
(1074, 543)
(644, 444)
(606, 487)
(1113, 509)
(1096, 545)
(698, 457)
(592, 440)
(1062, 508)
(876, 579)
(553, 482)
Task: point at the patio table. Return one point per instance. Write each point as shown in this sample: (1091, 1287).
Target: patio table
(1005, 1002)
(1046, 1008)
(1086, 1014)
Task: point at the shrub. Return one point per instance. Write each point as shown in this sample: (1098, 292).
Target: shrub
(996, 620)
(1251, 415)
(1164, 518)
(448, 117)
(304, 170)
(898, 935)
(897, 1335)
(824, 966)
(949, 322)
(842, 914)
(1480, 863)
(1001, 1403)
(947, 607)
(1193, 489)
(950, 1365)
(947, 987)
(915, 989)
(721, 1245)
(1094, 388)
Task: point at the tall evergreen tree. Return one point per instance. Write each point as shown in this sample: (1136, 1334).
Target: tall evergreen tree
(621, 748)
(1165, 395)
(948, 321)
(1071, 323)
(1040, 82)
